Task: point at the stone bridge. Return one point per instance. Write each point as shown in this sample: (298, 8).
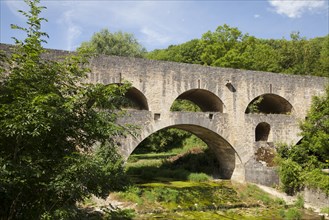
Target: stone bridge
(227, 124)
(231, 130)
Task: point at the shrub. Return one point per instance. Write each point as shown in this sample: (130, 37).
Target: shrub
(317, 179)
(290, 176)
(198, 177)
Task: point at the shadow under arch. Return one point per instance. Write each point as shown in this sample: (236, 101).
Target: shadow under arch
(135, 99)
(138, 98)
(226, 155)
(204, 99)
(269, 104)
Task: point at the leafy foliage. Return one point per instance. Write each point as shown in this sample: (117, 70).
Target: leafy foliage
(316, 131)
(184, 105)
(118, 43)
(290, 176)
(229, 47)
(49, 120)
(163, 140)
(301, 164)
(253, 107)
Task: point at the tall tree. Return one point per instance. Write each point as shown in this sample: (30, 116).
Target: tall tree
(301, 164)
(228, 47)
(49, 120)
(118, 43)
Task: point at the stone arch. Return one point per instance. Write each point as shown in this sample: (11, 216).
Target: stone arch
(206, 100)
(269, 104)
(138, 98)
(262, 131)
(225, 153)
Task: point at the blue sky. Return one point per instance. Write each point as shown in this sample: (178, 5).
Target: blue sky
(158, 24)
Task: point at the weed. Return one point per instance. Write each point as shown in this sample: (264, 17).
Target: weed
(280, 201)
(299, 203)
(293, 214)
(254, 192)
(132, 194)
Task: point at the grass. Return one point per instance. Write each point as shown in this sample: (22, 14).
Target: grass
(195, 164)
(178, 185)
(156, 193)
(199, 200)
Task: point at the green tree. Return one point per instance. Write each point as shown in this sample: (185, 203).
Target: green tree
(229, 47)
(163, 140)
(189, 52)
(118, 44)
(218, 43)
(315, 129)
(322, 65)
(301, 164)
(49, 122)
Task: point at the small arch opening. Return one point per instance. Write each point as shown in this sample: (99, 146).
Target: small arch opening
(262, 131)
(135, 100)
(269, 104)
(198, 100)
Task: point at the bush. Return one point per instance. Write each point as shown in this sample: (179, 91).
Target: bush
(198, 177)
(318, 180)
(290, 176)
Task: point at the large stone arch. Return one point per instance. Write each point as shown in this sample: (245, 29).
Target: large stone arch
(229, 160)
(270, 103)
(205, 99)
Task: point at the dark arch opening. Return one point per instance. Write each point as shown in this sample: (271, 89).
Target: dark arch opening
(205, 100)
(137, 99)
(133, 99)
(262, 131)
(269, 104)
(219, 148)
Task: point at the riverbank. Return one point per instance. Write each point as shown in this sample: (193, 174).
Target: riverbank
(292, 199)
(200, 200)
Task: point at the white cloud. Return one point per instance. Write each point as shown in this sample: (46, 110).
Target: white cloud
(154, 22)
(73, 31)
(295, 8)
(256, 16)
(154, 37)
